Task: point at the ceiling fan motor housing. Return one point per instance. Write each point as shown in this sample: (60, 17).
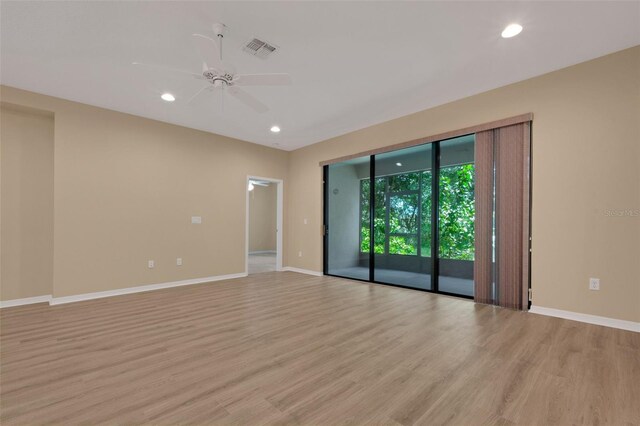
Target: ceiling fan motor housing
(216, 79)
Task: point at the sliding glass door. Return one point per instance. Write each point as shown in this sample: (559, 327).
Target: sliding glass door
(413, 213)
(402, 217)
(346, 214)
(456, 216)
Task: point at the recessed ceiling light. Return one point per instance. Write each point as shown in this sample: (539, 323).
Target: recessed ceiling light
(275, 129)
(398, 164)
(512, 30)
(168, 97)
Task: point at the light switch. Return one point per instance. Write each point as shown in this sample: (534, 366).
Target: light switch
(196, 219)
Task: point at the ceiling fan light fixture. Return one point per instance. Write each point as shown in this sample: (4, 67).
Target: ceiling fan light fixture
(275, 129)
(168, 97)
(511, 30)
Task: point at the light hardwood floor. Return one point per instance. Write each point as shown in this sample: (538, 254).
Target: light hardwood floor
(295, 349)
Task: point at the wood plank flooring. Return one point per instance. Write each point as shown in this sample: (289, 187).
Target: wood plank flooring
(282, 347)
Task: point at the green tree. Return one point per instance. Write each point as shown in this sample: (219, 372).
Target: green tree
(379, 218)
(457, 213)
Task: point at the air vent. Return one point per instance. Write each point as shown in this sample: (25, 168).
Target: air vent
(259, 48)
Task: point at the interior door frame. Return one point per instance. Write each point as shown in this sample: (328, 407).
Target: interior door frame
(279, 214)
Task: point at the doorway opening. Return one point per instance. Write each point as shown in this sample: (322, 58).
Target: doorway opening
(263, 225)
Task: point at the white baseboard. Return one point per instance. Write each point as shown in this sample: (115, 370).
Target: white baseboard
(263, 252)
(139, 289)
(591, 319)
(303, 271)
(26, 301)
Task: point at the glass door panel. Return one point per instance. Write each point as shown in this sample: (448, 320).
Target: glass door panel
(399, 217)
(347, 219)
(456, 215)
(398, 240)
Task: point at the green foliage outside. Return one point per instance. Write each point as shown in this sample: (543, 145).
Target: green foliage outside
(457, 212)
(409, 201)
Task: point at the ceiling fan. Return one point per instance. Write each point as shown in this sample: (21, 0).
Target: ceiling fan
(221, 77)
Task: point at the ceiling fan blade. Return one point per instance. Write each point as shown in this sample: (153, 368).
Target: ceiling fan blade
(247, 99)
(169, 70)
(262, 80)
(209, 51)
(197, 94)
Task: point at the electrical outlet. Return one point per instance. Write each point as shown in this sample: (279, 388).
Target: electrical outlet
(300, 253)
(305, 221)
(179, 261)
(152, 264)
(594, 283)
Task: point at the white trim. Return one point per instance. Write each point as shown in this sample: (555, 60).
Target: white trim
(263, 252)
(140, 289)
(279, 216)
(590, 319)
(26, 301)
(302, 271)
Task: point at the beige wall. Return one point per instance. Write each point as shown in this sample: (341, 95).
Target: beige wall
(586, 160)
(263, 204)
(26, 219)
(125, 189)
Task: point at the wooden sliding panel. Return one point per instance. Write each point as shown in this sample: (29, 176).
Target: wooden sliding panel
(502, 216)
(509, 210)
(483, 264)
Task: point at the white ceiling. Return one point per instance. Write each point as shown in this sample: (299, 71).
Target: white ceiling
(353, 64)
